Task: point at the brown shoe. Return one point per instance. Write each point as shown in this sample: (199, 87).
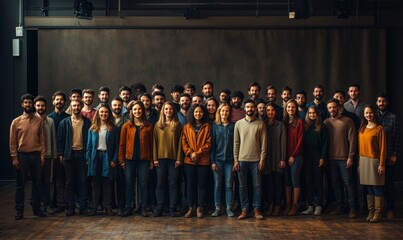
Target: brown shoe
(258, 215)
(276, 211)
(269, 210)
(190, 213)
(352, 214)
(244, 215)
(200, 213)
(293, 210)
(337, 211)
(390, 215)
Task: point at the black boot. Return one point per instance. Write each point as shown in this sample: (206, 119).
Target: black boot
(109, 212)
(19, 215)
(92, 211)
(158, 211)
(127, 212)
(38, 212)
(144, 212)
(172, 213)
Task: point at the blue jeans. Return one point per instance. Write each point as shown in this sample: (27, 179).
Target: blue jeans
(224, 173)
(292, 174)
(28, 162)
(167, 173)
(141, 168)
(376, 191)
(341, 173)
(244, 169)
(76, 180)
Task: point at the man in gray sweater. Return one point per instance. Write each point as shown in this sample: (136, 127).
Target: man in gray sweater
(250, 143)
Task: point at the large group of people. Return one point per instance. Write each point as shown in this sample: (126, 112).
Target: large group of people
(197, 154)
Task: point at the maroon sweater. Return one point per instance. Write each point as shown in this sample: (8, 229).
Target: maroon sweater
(295, 136)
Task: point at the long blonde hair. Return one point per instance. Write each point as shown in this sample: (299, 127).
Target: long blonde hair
(162, 120)
(96, 122)
(217, 114)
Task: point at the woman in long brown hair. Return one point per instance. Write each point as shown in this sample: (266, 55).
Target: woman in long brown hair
(315, 152)
(167, 156)
(101, 154)
(372, 150)
(135, 154)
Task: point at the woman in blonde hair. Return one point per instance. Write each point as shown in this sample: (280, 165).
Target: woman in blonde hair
(101, 154)
(295, 135)
(222, 157)
(167, 156)
(315, 152)
(372, 150)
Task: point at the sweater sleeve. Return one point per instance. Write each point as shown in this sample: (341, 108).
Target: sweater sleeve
(263, 142)
(88, 151)
(185, 141)
(382, 147)
(352, 139)
(236, 142)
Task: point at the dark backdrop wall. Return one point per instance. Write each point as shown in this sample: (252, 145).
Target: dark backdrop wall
(230, 58)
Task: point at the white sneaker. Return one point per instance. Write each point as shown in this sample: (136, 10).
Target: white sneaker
(308, 211)
(318, 211)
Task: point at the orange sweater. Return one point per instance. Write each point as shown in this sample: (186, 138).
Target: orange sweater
(372, 143)
(126, 143)
(200, 145)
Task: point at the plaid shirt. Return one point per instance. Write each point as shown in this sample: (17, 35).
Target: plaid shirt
(391, 125)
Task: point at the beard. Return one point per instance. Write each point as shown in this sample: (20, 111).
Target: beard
(236, 105)
(318, 97)
(250, 113)
(28, 110)
(185, 106)
(117, 111)
(59, 106)
(40, 111)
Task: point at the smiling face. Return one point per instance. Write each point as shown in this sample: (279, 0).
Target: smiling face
(224, 113)
(332, 108)
(116, 107)
(137, 111)
(340, 97)
(312, 114)
(286, 95)
(250, 109)
(291, 108)
(369, 114)
(271, 95)
(168, 111)
(270, 112)
(59, 102)
(207, 90)
(318, 93)
(354, 93)
(184, 103)
(254, 92)
(198, 114)
(103, 97)
(382, 103)
(88, 98)
(211, 106)
(40, 107)
(103, 114)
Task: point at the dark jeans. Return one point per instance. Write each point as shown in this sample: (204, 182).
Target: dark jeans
(46, 181)
(376, 191)
(167, 173)
(197, 177)
(76, 180)
(152, 187)
(29, 162)
(313, 177)
(101, 185)
(141, 168)
(341, 173)
(389, 187)
(244, 169)
(60, 184)
(120, 188)
(273, 189)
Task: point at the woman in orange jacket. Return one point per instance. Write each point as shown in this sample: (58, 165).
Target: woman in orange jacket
(196, 144)
(135, 154)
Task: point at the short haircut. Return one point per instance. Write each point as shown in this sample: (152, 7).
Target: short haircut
(287, 88)
(158, 94)
(249, 101)
(177, 88)
(333, 100)
(145, 95)
(237, 93)
(259, 101)
(103, 89)
(117, 99)
(206, 83)
(190, 85)
(125, 88)
(40, 98)
(157, 86)
(301, 92)
(89, 91)
(382, 95)
(254, 84)
(319, 86)
(184, 95)
(59, 93)
(138, 87)
(355, 85)
(76, 90)
(271, 87)
(27, 96)
(340, 91)
(226, 91)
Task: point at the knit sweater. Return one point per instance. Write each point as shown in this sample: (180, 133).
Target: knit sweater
(372, 143)
(342, 137)
(167, 143)
(250, 140)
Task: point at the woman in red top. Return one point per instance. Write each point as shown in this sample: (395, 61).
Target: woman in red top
(295, 135)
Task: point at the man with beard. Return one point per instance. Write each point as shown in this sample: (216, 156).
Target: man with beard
(341, 96)
(207, 90)
(354, 104)
(88, 98)
(390, 123)
(190, 89)
(317, 93)
(224, 96)
(250, 143)
(59, 99)
(342, 148)
(236, 103)
(271, 92)
(184, 102)
(300, 98)
(286, 95)
(72, 137)
(125, 94)
(261, 109)
(137, 88)
(197, 99)
(75, 94)
(27, 150)
(157, 88)
(103, 96)
(176, 91)
(253, 91)
(119, 182)
(51, 152)
(158, 101)
(151, 113)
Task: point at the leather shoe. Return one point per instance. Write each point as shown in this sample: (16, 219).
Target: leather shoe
(144, 212)
(91, 211)
(244, 214)
(39, 213)
(127, 212)
(109, 212)
(157, 212)
(19, 215)
(70, 212)
(258, 215)
(58, 210)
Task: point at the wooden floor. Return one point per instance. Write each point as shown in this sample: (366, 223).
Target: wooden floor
(137, 227)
